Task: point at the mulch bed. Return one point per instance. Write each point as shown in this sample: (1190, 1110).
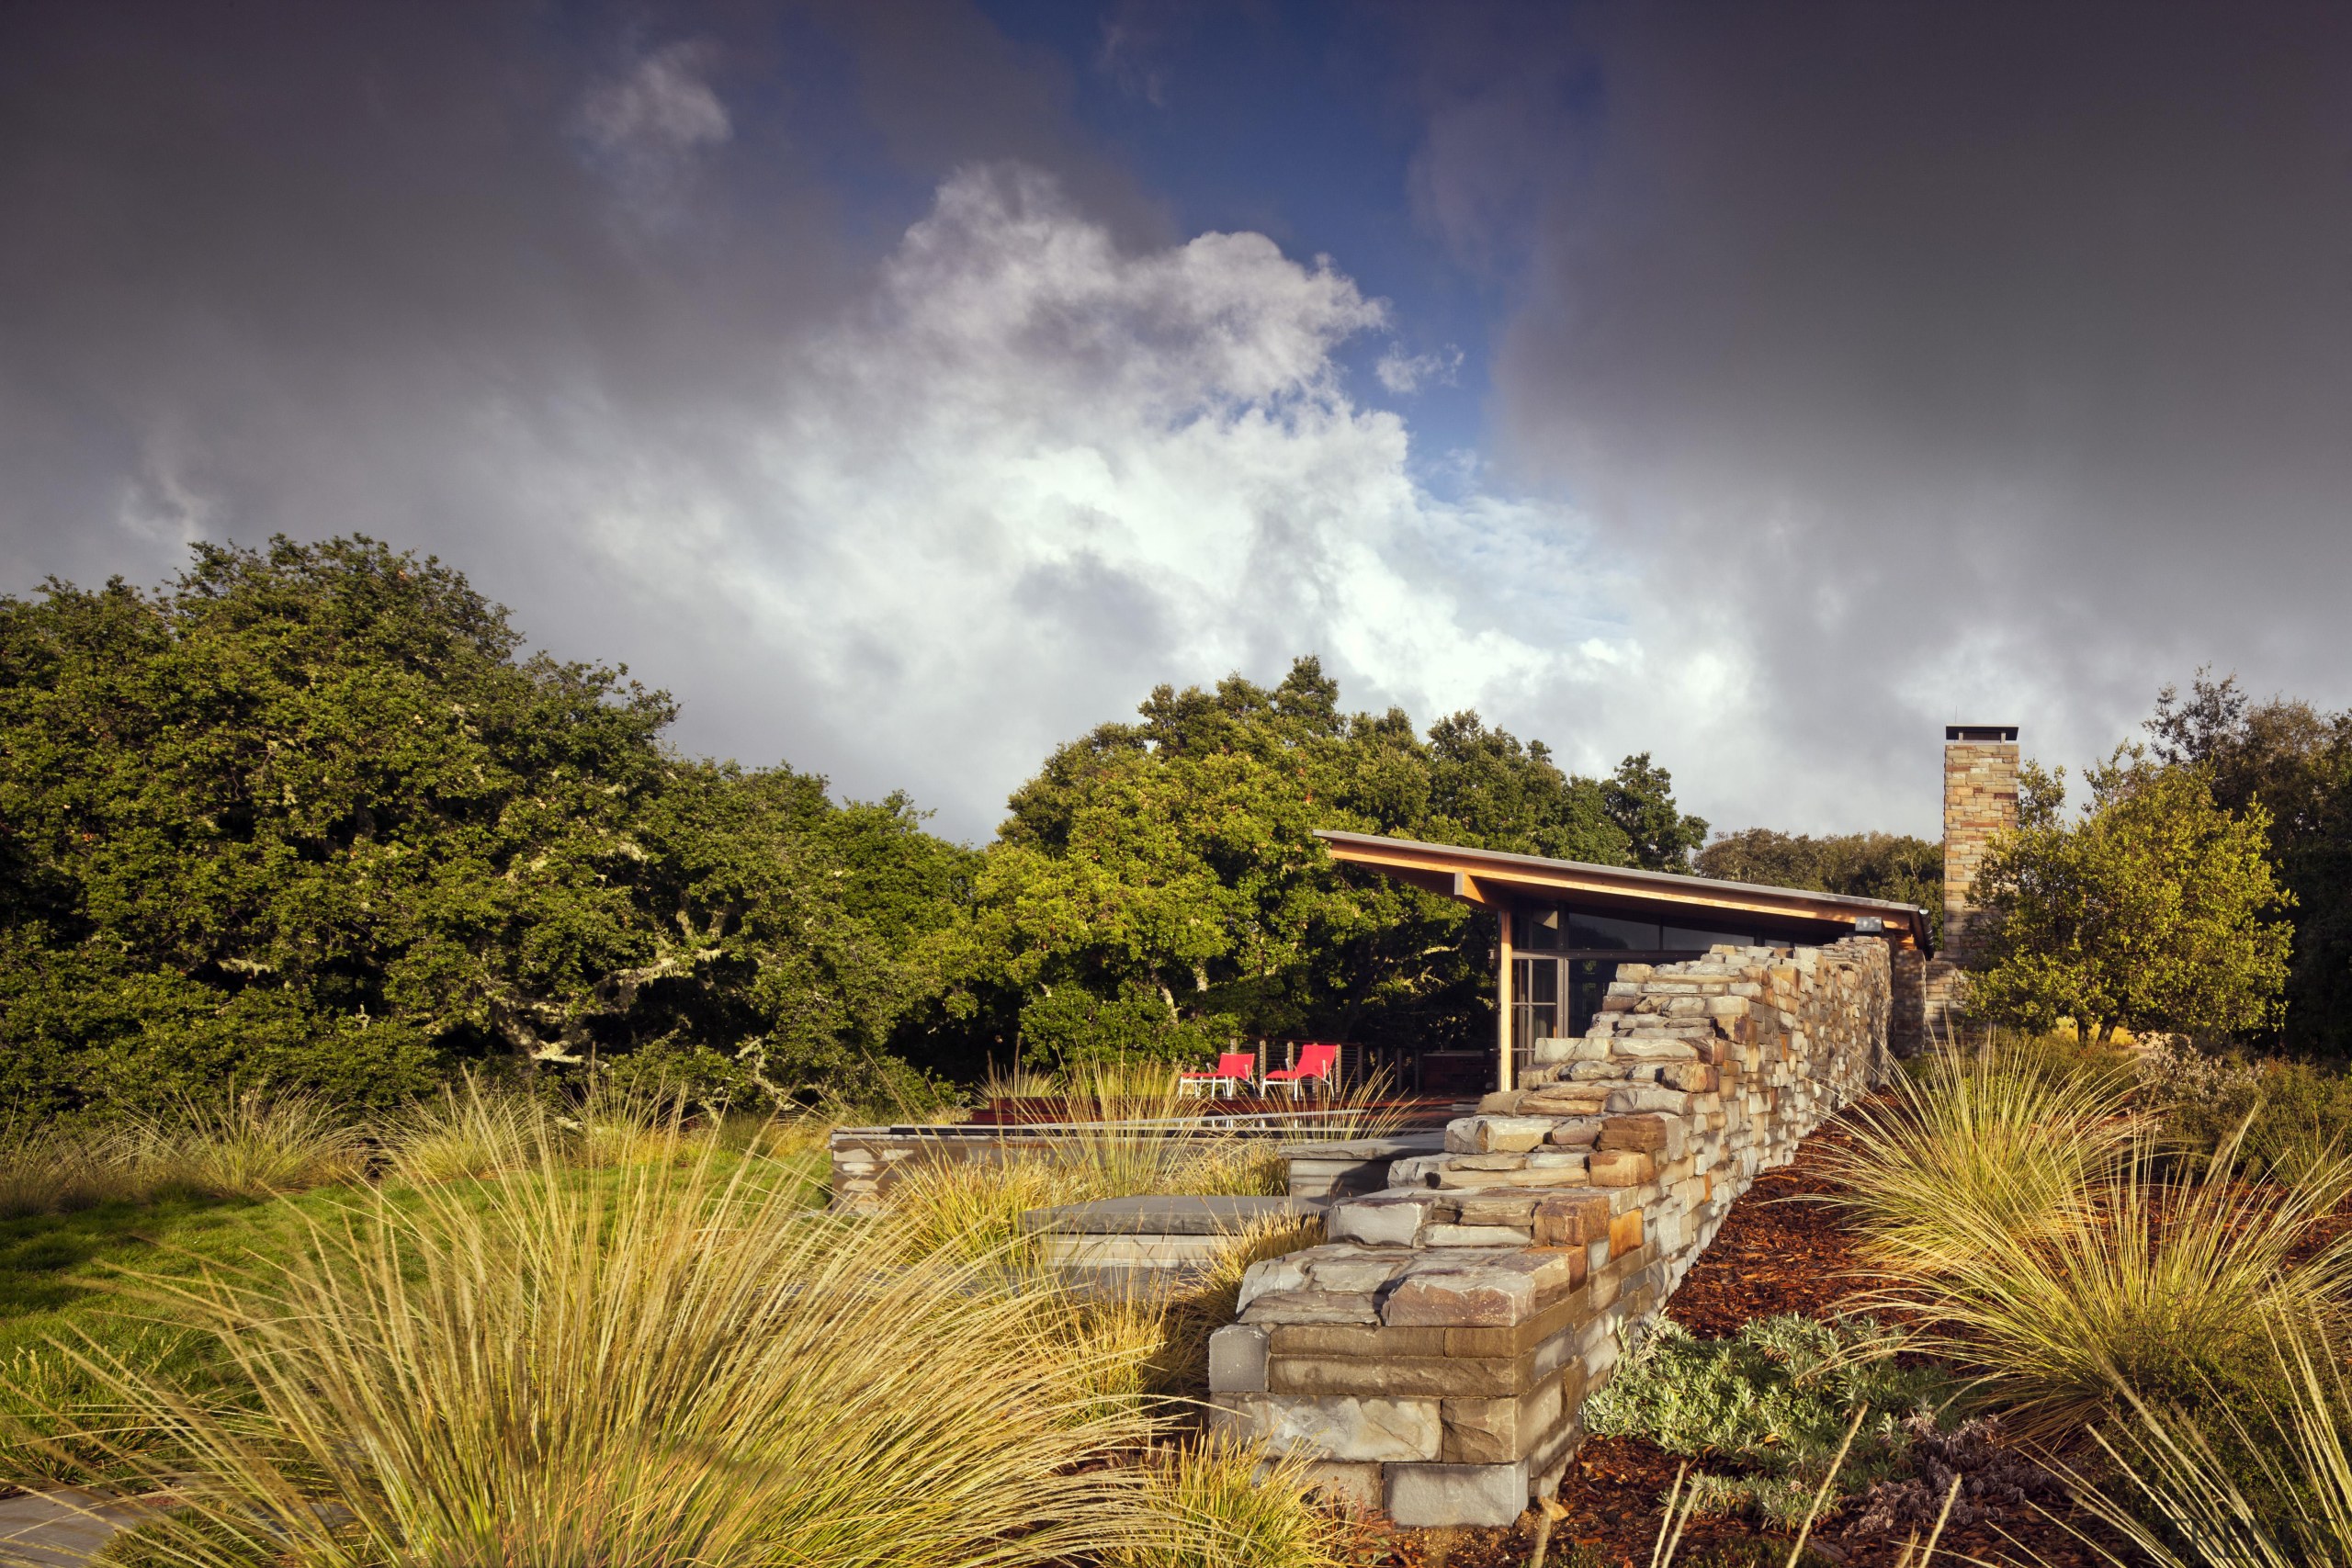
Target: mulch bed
(1779, 1250)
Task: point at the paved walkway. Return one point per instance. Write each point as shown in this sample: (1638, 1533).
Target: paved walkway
(62, 1529)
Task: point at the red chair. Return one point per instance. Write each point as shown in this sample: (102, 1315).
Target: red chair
(1316, 1065)
(1232, 1067)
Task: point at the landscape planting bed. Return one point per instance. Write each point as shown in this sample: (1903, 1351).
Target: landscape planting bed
(1778, 1251)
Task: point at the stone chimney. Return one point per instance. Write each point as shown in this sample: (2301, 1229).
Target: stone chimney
(1979, 800)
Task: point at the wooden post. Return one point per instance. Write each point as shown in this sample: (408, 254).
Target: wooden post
(1502, 1000)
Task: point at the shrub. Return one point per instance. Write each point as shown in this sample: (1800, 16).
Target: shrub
(684, 1368)
(2285, 1118)
(1774, 1401)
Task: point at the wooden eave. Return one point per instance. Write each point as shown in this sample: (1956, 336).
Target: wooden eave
(1493, 878)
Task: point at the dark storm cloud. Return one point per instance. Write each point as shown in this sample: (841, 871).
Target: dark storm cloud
(1986, 361)
(462, 274)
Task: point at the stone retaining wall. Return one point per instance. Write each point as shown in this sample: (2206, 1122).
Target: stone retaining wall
(1434, 1357)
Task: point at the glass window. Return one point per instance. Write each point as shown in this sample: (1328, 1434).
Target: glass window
(1607, 932)
(1537, 930)
(1534, 1001)
(1676, 937)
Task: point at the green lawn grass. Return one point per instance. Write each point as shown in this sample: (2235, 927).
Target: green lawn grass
(76, 1281)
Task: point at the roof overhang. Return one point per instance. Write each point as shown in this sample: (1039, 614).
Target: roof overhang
(1495, 879)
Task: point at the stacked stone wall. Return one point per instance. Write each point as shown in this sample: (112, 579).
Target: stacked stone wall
(1433, 1358)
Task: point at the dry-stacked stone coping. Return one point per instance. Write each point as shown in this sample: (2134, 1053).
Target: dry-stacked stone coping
(1433, 1358)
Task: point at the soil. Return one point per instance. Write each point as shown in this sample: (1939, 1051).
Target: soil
(1779, 1250)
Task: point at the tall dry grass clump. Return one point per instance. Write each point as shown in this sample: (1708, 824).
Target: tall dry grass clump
(249, 1143)
(2240, 1480)
(46, 1169)
(2162, 1286)
(1979, 1150)
(669, 1363)
(469, 1130)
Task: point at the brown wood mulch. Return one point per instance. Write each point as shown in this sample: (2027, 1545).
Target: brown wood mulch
(1779, 1250)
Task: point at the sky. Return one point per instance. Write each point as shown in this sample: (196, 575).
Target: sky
(910, 389)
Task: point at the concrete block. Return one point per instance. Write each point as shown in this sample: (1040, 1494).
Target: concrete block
(1428, 1495)
(1238, 1360)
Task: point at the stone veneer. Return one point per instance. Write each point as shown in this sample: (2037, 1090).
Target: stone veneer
(1434, 1357)
(1980, 801)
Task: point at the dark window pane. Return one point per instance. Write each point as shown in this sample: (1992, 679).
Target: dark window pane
(1537, 930)
(1539, 981)
(1607, 932)
(1677, 937)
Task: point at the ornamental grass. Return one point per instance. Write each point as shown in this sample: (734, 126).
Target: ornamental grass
(669, 1362)
(2238, 1479)
(1979, 1151)
(251, 1143)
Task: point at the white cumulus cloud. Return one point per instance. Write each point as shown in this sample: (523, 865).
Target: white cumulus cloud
(1033, 475)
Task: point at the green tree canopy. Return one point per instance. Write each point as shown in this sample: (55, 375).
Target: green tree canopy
(2148, 912)
(310, 813)
(2295, 764)
(1159, 885)
(1862, 866)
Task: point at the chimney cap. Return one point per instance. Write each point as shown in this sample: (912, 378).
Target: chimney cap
(1980, 732)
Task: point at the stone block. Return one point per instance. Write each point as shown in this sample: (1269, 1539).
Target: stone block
(1238, 1360)
(1576, 1134)
(1498, 1209)
(1498, 1431)
(1475, 1235)
(1352, 1269)
(1414, 1170)
(1647, 1097)
(1552, 1051)
(1652, 1048)
(1394, 1218)
(1334, 1427)
(1618, 1167)
(1426, 1496)
(1496, 1135)
(1646, 1133)
(1284, 1273)
(1571, 1220)
(1569, 1173)
(1351, 1488)
(1692, 1078)
(1311, 1306)
(1625, 1233)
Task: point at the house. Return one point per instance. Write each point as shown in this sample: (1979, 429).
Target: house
(1563, 926)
